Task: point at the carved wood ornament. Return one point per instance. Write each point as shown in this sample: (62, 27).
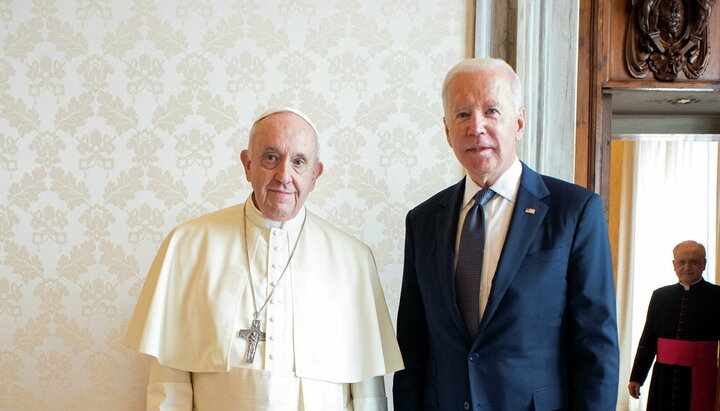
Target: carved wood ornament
(667, 37)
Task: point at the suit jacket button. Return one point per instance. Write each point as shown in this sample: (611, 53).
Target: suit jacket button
(474, 357)
(466, 405)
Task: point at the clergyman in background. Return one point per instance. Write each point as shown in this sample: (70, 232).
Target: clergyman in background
(681, 335)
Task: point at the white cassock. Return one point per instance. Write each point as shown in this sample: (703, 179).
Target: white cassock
(329, 338)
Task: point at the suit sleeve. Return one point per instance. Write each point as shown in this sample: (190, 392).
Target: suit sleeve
(592, 324)
(647, 348)
(411, 334)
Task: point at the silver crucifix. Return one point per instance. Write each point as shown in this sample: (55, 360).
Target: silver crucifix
(253, 336)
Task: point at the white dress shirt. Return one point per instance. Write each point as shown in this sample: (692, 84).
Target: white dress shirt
(497, 220)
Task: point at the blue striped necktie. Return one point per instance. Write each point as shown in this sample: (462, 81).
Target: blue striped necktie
(470, 260)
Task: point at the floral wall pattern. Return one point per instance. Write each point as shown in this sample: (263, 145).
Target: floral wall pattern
(121, 119)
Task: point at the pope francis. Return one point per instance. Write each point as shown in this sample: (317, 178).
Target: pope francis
(264, 305)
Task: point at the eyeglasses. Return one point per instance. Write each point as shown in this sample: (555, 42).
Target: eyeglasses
(693, 263)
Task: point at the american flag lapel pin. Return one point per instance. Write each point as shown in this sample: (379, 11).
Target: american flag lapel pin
(530, 210)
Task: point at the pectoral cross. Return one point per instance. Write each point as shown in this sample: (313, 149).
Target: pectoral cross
(253, 336)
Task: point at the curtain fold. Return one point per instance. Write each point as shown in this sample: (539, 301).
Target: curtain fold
(625, 273)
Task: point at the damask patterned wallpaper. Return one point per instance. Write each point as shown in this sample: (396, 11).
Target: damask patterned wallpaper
(121, 119)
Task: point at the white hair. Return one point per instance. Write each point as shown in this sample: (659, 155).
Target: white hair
(476, 65)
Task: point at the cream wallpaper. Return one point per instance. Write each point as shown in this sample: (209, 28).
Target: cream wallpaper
(121, 119)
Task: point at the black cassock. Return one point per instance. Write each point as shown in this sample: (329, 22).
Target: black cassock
(678, 314)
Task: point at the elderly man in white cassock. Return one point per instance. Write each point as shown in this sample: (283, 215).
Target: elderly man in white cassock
(265, 305)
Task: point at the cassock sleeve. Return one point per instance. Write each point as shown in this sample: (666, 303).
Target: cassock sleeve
(647, 347)
(369, 395)
(168, 389)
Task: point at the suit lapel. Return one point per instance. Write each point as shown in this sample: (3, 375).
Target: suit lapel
(527, 217)
(446, 221)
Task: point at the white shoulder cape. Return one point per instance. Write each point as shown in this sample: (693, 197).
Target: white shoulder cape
(185, 316)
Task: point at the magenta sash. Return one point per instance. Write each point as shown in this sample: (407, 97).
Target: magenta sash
(701, 356)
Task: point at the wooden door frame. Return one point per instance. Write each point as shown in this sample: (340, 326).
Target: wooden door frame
(594, 109)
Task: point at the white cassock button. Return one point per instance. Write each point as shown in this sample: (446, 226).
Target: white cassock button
(272, 319)
(272, 301)
(274, 266)
(273, 283)
(272, 338)
(276, 248)
(272, 357)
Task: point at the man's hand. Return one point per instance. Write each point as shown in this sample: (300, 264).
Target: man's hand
(634, 389)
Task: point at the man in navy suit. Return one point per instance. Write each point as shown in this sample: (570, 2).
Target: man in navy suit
(537, 328)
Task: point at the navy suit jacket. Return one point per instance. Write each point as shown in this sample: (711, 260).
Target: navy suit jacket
(548, 337)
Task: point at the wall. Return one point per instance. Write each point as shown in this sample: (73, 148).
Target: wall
(120, 119)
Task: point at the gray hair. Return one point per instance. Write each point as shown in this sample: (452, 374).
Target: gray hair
(689, 242)
(476, 65)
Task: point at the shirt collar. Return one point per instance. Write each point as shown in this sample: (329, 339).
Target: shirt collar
(255, 217)
(506, 186)
(687, 287)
